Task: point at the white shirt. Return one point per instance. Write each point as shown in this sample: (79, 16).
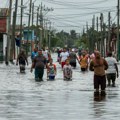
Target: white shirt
(111, 64)
(45, 54)
(64, 56)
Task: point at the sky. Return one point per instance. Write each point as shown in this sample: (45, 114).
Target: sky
(71, 14)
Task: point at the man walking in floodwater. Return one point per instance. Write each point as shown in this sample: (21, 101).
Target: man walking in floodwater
(73, 57)
(112, 71)
(99, 65)
(63, 56)
(39, 63)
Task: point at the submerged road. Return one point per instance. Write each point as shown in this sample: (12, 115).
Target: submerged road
(21, 98)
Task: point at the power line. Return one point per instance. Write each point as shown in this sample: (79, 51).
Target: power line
(34, 1)
(27, 2)
(81, 14)
(76, 3)
(92, 2)
(98, 8)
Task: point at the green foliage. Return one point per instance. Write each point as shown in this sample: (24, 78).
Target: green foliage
(66, 39)
(55, 42)
(73, 34)
(82, 41)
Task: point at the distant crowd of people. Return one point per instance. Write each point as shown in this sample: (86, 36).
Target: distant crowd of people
(103, 68)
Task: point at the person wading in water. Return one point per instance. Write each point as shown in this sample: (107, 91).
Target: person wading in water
(22, 59)
(39, 63)
(99, 65)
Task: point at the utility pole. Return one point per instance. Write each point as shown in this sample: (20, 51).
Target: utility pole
(102, 36)
(37, 16)
(45, 32)
(104, 39)
(118, 38)
(93, 41)
(12, 51)
(88, 35)
(109, 33)
(28, 29)
(83, 30)
(8, 34)
(87, 26)
(32, 14)
(101, 27)
(37, 27)
(49, 36)
(98, 44)
(97, 24)
(21, 26)
(93, 22)
(42, 31)
(41, 26)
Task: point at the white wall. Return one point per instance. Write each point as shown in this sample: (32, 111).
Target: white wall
(4, 43)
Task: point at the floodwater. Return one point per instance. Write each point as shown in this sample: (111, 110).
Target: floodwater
(21, 98)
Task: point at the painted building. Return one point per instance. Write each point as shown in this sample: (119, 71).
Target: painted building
(28, 36)
(3, 31)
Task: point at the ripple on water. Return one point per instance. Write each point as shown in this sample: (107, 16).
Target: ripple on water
(21, 98)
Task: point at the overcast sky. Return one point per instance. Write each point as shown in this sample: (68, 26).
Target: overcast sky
(73, 14)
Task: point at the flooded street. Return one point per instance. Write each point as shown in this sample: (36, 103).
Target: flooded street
(21, 98)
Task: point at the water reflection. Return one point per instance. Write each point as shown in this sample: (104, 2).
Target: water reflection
(105, 107)
(98, 105)
(99, 109)
(99, 98)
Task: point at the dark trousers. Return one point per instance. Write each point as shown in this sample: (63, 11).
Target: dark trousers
(99, 81)
(39, 74)
(111, 77)
(73, 64)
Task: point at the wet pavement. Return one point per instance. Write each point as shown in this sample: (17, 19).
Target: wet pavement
(21, 98)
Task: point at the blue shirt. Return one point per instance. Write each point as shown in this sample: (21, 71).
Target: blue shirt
(34, 54)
